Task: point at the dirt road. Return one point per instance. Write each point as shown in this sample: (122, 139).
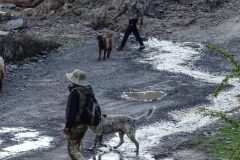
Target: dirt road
(35, 94)
(33, 99)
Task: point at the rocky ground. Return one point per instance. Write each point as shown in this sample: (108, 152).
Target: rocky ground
(173, 19)
(42, 85)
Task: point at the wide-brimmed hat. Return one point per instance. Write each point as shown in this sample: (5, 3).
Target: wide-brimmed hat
(77, 77)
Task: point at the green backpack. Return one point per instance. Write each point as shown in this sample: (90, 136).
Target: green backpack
(90, 113)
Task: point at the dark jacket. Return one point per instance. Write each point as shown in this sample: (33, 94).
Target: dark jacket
(76, 101)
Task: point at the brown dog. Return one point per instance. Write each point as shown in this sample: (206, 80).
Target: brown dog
(105, 44)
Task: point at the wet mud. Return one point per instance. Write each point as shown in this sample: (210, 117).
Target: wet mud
(41, 105)
(35, 92)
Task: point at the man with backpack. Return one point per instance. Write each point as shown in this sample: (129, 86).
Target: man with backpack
(134, 9)
(82, 110)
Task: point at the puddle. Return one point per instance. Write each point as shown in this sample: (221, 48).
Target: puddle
(144, 96)
(24, 140)
(175, 58)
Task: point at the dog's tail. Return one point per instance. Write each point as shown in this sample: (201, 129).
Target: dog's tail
(146, 115)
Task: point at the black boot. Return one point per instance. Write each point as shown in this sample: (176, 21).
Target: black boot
(119, 48)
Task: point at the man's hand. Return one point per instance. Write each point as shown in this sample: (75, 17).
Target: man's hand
(66, 131)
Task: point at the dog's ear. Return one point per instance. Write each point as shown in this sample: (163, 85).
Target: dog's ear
(99, 37)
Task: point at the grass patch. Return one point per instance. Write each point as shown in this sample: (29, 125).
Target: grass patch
(225, 144)
(68, 42)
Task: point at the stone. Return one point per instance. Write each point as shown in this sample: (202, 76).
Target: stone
(15, 46)
(4, 16)
(7, 5)
(23, 3)
(15, 24)
(28, 12)
(3, 33)
(11, 67)
(50, 5)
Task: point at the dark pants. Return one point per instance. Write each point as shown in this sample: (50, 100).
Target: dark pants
(132, 28)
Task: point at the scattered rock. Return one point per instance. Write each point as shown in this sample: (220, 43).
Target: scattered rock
(4, 16)
(3, 33)
(23, 3)
(28, 12)
(33, 59)
(168, 31)
(207, 133)
(78, 12)
(189, 21)
(192, 45)
(163, 155)
(11, 67)
(15, 24)
(7, 5)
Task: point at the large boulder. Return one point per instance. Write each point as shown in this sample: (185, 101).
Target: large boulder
(4, 16)
(28, 12)
(15, 24)
(7, 5)
(23, 3)
(18, 46)
(207, 5)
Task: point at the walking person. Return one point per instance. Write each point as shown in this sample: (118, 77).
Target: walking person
(76, 117)
(134, 9)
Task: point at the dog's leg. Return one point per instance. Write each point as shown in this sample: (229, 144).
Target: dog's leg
(105, 51)
(100, 142)
(121, 136)
(96, 140)
(109, 52)
(100, 51)
(131, 136)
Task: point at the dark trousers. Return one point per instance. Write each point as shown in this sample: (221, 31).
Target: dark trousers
(132, 28)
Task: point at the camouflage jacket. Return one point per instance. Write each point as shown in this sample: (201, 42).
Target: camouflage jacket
(134, 9)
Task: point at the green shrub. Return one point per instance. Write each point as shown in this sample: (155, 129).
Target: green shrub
(227, 144)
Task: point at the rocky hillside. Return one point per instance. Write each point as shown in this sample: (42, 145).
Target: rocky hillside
(165, 16)
(195, 20)
(162, 18)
